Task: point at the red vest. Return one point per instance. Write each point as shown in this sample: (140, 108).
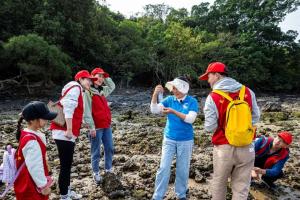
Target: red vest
(77, 116)
(218, 137)
(101, 112)
(24, 185)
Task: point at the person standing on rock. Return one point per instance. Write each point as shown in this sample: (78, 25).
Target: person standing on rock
(33, 181)
(99, 121)
(181, 110)
(270, 156)
(232, 158)
(72, 103)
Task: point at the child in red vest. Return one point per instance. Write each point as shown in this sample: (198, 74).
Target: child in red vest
(270, 156)
(64, 136)
(98, 116)
(33, 181)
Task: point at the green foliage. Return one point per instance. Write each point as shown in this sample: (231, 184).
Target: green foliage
(155, 46)
(32, 56)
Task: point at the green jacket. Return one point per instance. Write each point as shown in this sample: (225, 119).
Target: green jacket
(106, 90)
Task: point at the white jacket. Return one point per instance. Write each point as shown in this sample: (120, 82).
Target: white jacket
(69, 103)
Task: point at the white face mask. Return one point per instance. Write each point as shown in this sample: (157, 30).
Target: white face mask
(181, 85)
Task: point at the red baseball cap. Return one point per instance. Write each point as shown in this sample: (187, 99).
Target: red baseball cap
(213, 67)
(84, 74)
(286, 137)
(99, 70)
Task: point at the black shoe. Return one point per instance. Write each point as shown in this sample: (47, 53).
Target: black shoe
(269, 184)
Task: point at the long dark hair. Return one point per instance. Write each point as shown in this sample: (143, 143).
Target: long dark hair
(19, 128)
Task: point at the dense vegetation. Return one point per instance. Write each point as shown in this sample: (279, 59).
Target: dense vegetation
(49, 40)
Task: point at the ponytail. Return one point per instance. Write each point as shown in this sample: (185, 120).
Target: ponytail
(19, 127)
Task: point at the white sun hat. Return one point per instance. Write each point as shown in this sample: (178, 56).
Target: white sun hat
(181, 85)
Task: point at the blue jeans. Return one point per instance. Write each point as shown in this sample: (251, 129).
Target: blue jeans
(183, 151)
(104, 136)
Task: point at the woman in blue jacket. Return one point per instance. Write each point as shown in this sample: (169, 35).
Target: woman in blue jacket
(181, 111)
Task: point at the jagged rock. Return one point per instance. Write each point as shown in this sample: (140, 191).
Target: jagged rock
(199, 178)
(111, 183)
(130, 166)
(272, 107)
(116, 194)
(145, 174)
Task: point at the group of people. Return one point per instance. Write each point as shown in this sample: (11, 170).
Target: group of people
(83, 102)
(236, 153)
(230, 113)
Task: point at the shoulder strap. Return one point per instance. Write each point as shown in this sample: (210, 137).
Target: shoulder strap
(223, 94)
(66, 92)
(10, 185)
(242, 93)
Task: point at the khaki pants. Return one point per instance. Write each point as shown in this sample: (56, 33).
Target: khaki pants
(235, 163)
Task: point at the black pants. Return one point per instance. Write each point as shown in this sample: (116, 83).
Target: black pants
(271, 179)
(65, 153)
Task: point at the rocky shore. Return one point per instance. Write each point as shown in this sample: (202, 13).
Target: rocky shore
(138, 137)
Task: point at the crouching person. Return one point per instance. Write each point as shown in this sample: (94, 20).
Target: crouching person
(181, 110)
(271, 155)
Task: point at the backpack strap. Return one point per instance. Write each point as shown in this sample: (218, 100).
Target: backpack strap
(65, 93)
(223, 94)
(10, 185)
(242, 93)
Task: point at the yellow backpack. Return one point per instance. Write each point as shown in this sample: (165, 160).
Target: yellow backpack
(238, 126)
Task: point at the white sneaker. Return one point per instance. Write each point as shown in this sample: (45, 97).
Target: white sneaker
(65, 197)
(109, 170)
(73, 195)
(97, 178)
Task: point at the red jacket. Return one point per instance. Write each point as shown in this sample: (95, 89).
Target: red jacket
(25, 188)
(77, 116)
(221, 104)
(101, 112)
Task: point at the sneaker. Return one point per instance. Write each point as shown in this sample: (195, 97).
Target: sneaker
(73, 195)
(109, 170)
(97, 178)
(65, 197)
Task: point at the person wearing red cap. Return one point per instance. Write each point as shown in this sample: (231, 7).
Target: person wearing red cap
(100, 121)
(270, 156)
(71, 101)
(228, 160)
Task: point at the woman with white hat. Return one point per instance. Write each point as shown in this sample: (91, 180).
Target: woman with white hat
(181, 110)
